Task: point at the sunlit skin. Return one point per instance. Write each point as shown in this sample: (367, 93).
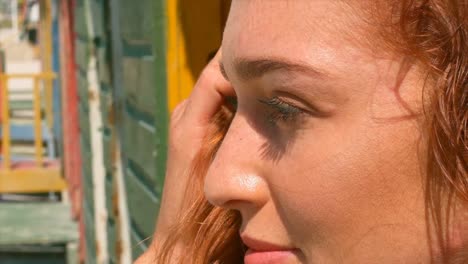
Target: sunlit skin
(324, 157)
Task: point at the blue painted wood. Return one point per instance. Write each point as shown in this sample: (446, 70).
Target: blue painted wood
(57, 94)
(25, 133)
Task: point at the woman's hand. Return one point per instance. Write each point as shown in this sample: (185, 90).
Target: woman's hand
(188, 127)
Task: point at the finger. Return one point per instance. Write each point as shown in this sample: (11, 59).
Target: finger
(209, 93)
(179, 110)
(178, 114)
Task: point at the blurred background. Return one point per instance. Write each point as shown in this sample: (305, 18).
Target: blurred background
(86, 91)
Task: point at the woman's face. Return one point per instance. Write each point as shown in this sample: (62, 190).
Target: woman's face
(322, 159)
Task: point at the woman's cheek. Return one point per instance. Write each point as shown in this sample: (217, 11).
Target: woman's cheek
(332, 190)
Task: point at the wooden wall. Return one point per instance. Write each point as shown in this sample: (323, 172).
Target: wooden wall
(134, 63)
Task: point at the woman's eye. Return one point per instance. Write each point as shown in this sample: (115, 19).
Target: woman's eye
(281, 111)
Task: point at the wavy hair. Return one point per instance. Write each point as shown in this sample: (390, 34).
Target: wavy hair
(433, 35)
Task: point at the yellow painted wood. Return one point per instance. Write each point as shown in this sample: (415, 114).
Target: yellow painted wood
(42, 75)
(47, 77)
(5, 111)
(194, 33)
(37, 179)
(48, 102)
(45, 28)
(31, 180)
(47, 61)
(5, 124)
(176, 72)
(37, 123)
(45, 47)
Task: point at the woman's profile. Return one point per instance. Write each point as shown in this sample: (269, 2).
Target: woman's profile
(323, 132)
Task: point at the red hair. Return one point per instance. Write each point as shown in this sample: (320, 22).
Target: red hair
(205, 233)
(433, 35)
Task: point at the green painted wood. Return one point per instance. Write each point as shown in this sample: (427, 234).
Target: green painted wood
(140, 91)
(103, 55)
(110, 190)
(140, 82)
(72, 253)
(112, 236)
(98, 12)
(36, 223)
(88, 213)
(161, 113)
(29, 258)
(140, 49)
(80, 19)
(40, 254)
(141, 195)
(138, 244)
(21, 105)
(108, 148)
(140, 152)
(137, 20)
(96, 42)
(82, 53)
(101, 24)
(84, 122)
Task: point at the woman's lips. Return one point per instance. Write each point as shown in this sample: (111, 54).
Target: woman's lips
(268, 257)
(261, 252)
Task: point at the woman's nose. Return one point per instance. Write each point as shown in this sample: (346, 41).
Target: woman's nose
(234, 179)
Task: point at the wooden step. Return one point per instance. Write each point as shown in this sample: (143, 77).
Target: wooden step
(36, 223)
(21, 105)
(37, 254)
(27, 178)
(26, 151)
(25, 132)
(37, 233)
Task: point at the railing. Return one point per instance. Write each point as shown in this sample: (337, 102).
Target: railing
(40, 175)
(37, 109)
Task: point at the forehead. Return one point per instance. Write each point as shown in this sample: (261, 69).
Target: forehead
(301, 30)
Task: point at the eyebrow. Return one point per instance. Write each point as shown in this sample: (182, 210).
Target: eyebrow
(248, 69)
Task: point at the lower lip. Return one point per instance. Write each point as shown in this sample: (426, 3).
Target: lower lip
(267, 257)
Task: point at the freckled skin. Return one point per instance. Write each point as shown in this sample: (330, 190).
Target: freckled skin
(347, 188)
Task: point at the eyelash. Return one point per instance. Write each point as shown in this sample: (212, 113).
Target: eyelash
(282, 111)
